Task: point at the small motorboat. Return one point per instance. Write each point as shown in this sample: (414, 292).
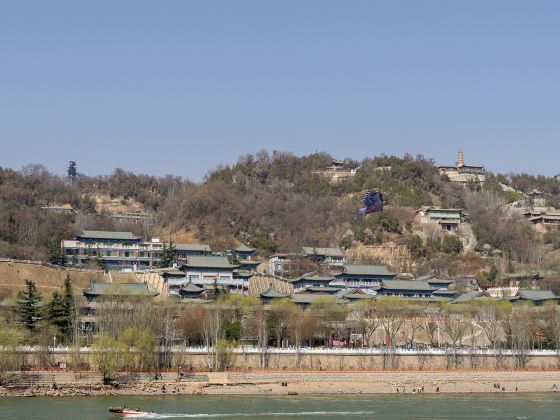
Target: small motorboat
(126, 411)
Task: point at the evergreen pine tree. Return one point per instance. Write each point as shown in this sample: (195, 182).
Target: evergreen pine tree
(56, 311)
(27, 306)
(72, 171)
(68, 298)
(216, 289)
(61, 308)
(492, 274)
(55, 255)
(168, 256)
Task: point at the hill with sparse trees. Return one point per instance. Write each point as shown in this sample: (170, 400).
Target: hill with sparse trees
(280, 202)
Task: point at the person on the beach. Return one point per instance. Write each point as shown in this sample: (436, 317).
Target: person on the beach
(437, 389)
(554, 387)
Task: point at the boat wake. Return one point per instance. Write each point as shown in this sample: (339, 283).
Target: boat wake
(269, 414)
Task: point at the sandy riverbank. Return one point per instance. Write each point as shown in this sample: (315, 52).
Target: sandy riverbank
(297, 383)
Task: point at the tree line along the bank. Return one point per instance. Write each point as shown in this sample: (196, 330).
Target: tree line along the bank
(140, 334)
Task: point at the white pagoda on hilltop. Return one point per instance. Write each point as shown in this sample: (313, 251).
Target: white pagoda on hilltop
(463, 173)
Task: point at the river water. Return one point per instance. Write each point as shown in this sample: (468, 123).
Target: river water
(418, 406)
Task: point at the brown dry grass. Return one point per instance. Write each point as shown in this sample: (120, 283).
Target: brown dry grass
(104, 203)
(48, 279)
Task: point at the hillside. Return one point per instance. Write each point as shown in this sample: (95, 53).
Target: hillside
(282, 202)
(13, 275)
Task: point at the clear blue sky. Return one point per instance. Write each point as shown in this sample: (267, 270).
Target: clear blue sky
(181, 86)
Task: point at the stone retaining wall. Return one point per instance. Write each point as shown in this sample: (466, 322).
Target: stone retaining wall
(199, 361)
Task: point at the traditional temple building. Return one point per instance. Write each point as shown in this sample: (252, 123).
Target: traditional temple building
(310, 280)
(337, 171)
(272, 293)
(448, 219)
(544, 220)
(362, 276)
(463, 173)
(192, 291)
(332, 257)
(244, 252)
(206, 270)
(184, 250)
(110, 297)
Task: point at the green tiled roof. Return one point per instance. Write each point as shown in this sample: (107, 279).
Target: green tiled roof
(243, 273)
(445, 292)
(530, 294)
(119, 289)
(439, 281)
(192, 288)
(173, 272)
(208, 261)
(192, 247)
(407, 285)
(367, 270)
(271, 292)
(319, 289)
(249, 262)
(245, 248)
(465, 297)
(313, 277)
(104, 234)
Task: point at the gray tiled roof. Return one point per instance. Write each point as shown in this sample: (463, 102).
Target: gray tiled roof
(104, 234)
(367, 270)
